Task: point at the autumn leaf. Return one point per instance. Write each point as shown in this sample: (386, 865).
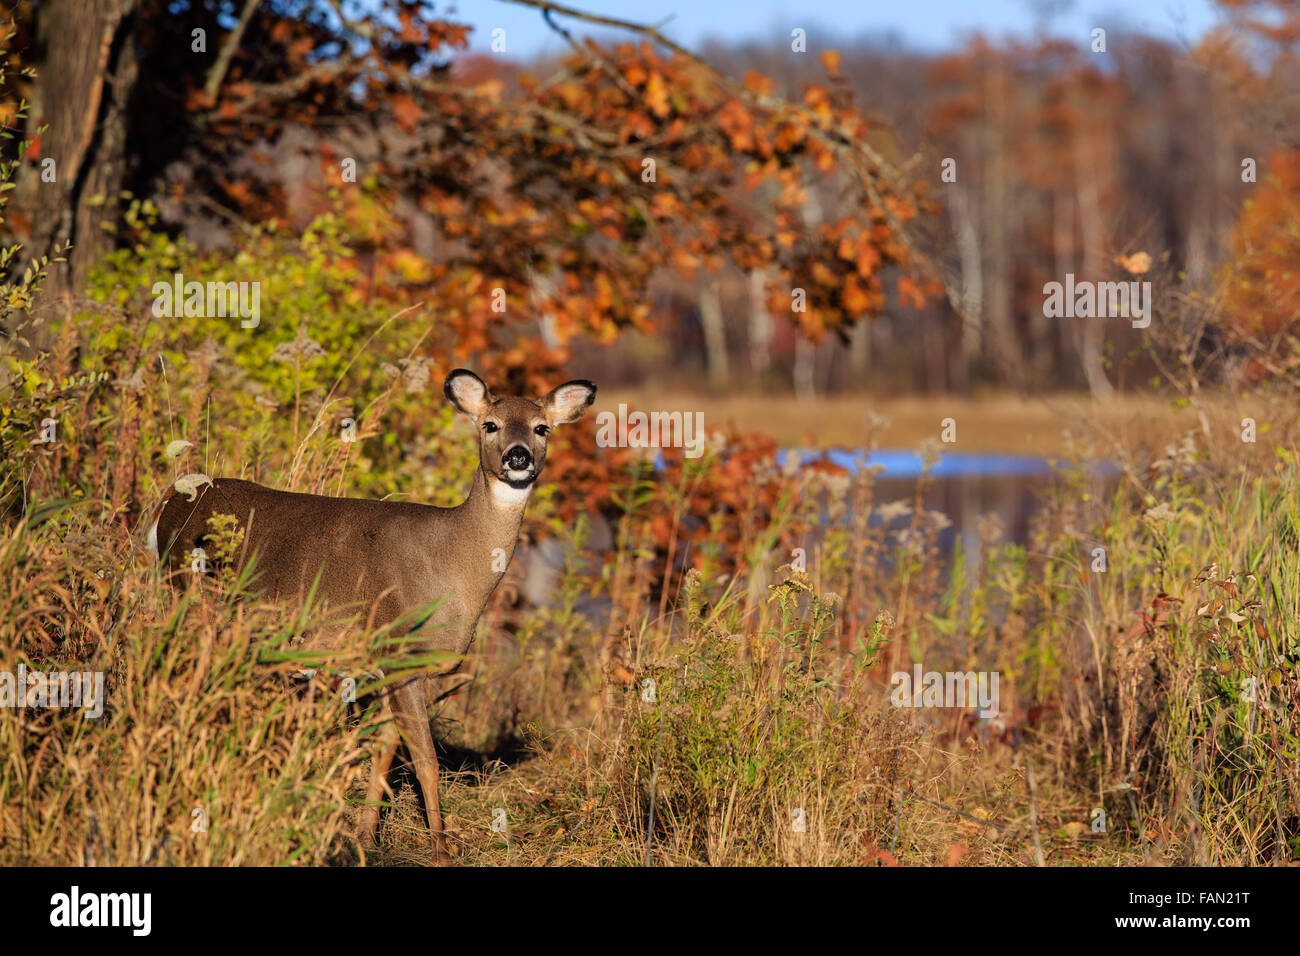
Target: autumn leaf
(830, 59)
(406, 112)
(635, 74)
(1136, 264)
(910, 294)
(758, 84)
(491, 89)
(656, 95)
(855, 298)
(818, 100)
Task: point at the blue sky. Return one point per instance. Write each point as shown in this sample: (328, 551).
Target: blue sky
(920, 24)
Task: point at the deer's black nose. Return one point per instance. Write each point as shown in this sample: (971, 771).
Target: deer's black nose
(517, 458)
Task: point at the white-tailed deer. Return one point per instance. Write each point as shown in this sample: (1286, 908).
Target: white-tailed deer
(392, 559)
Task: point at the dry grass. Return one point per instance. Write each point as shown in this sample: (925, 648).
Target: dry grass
(1121, 690)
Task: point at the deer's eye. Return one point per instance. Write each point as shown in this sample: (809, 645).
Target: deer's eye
(542, 430)
(490, 427)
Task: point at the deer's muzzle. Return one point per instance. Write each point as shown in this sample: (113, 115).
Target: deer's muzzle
(517, 458)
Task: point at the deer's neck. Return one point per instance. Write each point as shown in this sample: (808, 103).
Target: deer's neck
(488, 520)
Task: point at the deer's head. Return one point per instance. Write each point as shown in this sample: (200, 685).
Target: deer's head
(513, 431)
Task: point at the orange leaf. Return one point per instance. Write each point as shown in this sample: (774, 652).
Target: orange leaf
(910, 294)
(656, 95)
(1136, 264)
(406, 112)
(855, 298)
(757, 83)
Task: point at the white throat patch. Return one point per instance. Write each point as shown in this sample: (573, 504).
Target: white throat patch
(503, 496)
(152, 541)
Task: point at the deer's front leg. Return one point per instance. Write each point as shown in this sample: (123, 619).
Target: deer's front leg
(408, 703)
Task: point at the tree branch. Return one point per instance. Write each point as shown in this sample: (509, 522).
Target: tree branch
(841, 140)
(228, 48)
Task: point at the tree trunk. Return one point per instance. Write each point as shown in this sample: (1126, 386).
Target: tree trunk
(805, 368)
(760, 327)
(1090, 229)
(999, 320)
(85, 71)
(972, 283)
(1049, 360)
(860, 352)
(804, 373)
(715, 333)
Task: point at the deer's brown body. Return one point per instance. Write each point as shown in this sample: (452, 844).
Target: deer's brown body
(389, 560)
(385, 558)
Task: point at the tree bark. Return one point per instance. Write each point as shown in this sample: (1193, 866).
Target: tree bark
(998, 315)
(972, 283)
(804, 373)
(860, 352)
(1090, 228)
(85, 71)
(760, 326)
(715, 332)
(805, 368)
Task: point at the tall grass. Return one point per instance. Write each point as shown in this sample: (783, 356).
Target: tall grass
(699, 692)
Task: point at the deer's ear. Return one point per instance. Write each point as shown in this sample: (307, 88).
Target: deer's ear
(467, 393)
(567, 402)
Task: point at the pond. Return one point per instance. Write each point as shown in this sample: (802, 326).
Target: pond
(965, 487)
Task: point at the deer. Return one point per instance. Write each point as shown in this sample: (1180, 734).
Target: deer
(394, 559)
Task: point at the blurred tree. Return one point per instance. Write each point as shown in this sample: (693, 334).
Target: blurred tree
(496, 196)
(1262, 302)
(1255, 58)
(86, 71)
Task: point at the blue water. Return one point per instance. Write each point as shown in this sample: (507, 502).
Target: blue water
(902, 464)
(907, 464)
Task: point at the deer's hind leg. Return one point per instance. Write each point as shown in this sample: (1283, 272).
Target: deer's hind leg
(408, 702)
(389, 738)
